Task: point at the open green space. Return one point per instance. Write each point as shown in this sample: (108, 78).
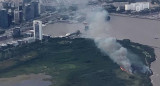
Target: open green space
(73, 62)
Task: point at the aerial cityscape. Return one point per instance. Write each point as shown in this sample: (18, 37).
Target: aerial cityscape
(79, 42)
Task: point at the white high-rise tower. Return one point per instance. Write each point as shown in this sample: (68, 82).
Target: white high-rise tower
(37, 26)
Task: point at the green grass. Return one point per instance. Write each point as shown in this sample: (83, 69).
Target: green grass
(74, 62)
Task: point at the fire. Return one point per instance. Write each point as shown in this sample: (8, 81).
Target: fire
(123, 69)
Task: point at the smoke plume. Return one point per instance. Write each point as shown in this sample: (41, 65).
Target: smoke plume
(98, 31)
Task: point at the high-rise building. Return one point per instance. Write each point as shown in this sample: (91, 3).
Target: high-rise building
(20, 16)
(37, 26)
(11, 15)
(31, 10)
(4, 18)
(36, 8)
(28, 12)
(16, 17)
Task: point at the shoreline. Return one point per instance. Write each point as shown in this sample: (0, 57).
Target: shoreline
(132, 16)
(141, 30)
(155, 75)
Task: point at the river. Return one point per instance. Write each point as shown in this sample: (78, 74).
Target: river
(61, 29)
(142, 31)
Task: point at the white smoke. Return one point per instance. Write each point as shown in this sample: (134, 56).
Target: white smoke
(99, 32)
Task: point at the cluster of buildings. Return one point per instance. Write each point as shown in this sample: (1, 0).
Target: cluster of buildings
(15, 12)
(17, 42)
(36, 34)
(127, 6)
(139, 6)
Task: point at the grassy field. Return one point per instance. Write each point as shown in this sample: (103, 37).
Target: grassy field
(74, 62)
